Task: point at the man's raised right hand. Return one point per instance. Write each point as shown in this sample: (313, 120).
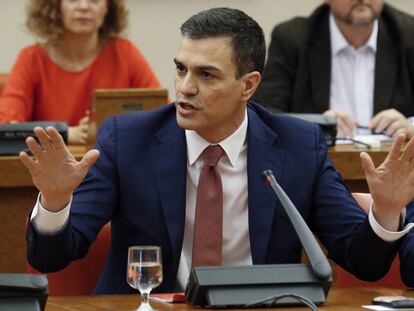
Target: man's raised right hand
(55, 171)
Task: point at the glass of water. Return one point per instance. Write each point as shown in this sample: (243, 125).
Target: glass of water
(144, 271)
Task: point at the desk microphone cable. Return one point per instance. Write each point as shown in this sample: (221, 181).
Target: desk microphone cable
(272, 301)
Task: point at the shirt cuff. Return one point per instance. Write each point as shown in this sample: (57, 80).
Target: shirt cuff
(389, 236)
(48, 222)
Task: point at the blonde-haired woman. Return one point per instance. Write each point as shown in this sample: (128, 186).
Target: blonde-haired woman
(79, 50)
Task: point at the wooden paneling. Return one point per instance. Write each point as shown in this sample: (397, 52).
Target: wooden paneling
(15, 204)
(17, 197)
(109, 102)
(347, 161)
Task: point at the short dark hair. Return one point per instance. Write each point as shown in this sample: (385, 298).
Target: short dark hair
(249, 47)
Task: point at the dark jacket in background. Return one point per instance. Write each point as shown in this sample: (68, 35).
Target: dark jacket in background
(298, 69)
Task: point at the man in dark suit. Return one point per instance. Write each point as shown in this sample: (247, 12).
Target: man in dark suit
(143, 174)
(352, 59)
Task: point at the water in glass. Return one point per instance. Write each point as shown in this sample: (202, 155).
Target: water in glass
(144, 271)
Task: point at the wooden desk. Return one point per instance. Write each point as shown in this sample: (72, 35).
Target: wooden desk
(347, 161)
(17, 196)
(338, 299)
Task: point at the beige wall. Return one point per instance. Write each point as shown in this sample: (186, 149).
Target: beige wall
(154, 25)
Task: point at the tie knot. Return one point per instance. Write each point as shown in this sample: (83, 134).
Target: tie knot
(212, 155)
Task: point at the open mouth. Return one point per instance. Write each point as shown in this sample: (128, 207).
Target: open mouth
(186, 106)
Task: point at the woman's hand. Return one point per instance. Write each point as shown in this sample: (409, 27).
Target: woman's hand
(78, 135)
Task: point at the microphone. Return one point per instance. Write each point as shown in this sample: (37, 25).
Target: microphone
(317, 258)
(267, 284)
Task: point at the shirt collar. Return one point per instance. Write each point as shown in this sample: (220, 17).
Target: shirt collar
(338, 41)
(232, 145)
(372, 41)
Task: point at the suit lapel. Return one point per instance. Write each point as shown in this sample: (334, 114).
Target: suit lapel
(385, 69)
(170, 167)
(170, 178)
(320, 66)
(262, 155)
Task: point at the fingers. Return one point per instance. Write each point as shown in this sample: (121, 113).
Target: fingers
(407, 154)
(84, 130)
(409, 131)
(330, 112)
(27, 161)
(34, 147)
(43, 138)
(390, 122)
(55, 138)
(345, 123)
(83, 139)
(405, 128)
(395, 150)
(376, 119)
(49, 139)
(85, 120)
(78, 135)
(89, 158)
(83, 133)
(343, 131)
(390, 126)
(381, 125)
(367, 164)
(396, 127)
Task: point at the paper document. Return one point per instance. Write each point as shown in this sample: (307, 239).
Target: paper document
(379, 137)
(384, 308)
(169, 297)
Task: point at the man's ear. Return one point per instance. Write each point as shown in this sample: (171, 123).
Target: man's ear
(251, 81)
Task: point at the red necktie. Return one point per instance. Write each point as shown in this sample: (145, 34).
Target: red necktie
(208, 225)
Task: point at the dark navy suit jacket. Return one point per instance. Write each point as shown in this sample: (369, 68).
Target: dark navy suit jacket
(139, 183)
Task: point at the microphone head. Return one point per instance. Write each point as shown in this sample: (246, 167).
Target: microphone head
(323, 270)
(267, 173)
(267, 176)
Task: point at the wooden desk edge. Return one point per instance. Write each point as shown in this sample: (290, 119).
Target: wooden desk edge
(13, 174)
(338, 299)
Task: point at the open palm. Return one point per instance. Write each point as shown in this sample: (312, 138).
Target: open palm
(392, 183)
(54, 170)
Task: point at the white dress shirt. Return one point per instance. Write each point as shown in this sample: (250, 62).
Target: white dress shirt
(233, 170)
(352, 75)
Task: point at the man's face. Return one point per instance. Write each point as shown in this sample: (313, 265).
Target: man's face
(209, 98)
(356, 12)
